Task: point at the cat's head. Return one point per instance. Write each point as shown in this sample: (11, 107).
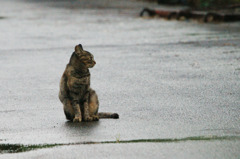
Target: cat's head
(85, 57)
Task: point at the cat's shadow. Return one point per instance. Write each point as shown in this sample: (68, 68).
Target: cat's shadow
(82, 127)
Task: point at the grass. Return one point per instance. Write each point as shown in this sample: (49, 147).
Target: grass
(16, 148)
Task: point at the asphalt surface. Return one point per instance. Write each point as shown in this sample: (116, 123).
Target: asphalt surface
(166, 80)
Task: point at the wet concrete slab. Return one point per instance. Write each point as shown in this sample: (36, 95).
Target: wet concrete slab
(186, 150)
(166, 79)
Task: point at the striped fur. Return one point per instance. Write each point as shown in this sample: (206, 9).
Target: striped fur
(80, 102)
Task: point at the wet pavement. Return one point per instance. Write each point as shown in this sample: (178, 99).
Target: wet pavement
(166, 79)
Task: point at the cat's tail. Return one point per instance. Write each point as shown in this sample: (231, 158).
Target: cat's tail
(108, 115)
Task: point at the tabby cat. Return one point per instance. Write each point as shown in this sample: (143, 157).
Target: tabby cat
(80, 102)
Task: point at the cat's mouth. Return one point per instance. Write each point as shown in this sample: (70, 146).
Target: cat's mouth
(92, 65)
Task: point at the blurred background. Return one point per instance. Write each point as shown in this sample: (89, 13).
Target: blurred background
(201, 4)
(170, 79)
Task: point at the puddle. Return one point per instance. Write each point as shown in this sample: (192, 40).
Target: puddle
(16, 148)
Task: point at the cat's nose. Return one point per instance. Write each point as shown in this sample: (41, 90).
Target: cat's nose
(94, 62)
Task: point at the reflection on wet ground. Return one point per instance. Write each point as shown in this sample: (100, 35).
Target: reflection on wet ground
(81, 128)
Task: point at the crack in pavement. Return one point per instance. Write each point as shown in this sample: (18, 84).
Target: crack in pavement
(16, 148)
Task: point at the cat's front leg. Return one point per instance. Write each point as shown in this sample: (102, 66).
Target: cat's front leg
(86, 115)
(77, 112)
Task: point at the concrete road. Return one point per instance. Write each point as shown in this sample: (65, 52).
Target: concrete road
(175, 84)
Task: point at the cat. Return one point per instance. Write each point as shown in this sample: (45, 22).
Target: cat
(80, 102)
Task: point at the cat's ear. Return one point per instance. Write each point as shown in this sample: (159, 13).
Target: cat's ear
(78, 49)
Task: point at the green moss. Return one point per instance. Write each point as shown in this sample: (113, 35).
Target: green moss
(16, 148)
(197, 138)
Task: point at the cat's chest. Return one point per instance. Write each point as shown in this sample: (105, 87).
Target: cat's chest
(82, 91)
(82, 86)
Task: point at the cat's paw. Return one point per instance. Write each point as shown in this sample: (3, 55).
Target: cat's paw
(88, 118)
(95, 118)
(77, 119)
